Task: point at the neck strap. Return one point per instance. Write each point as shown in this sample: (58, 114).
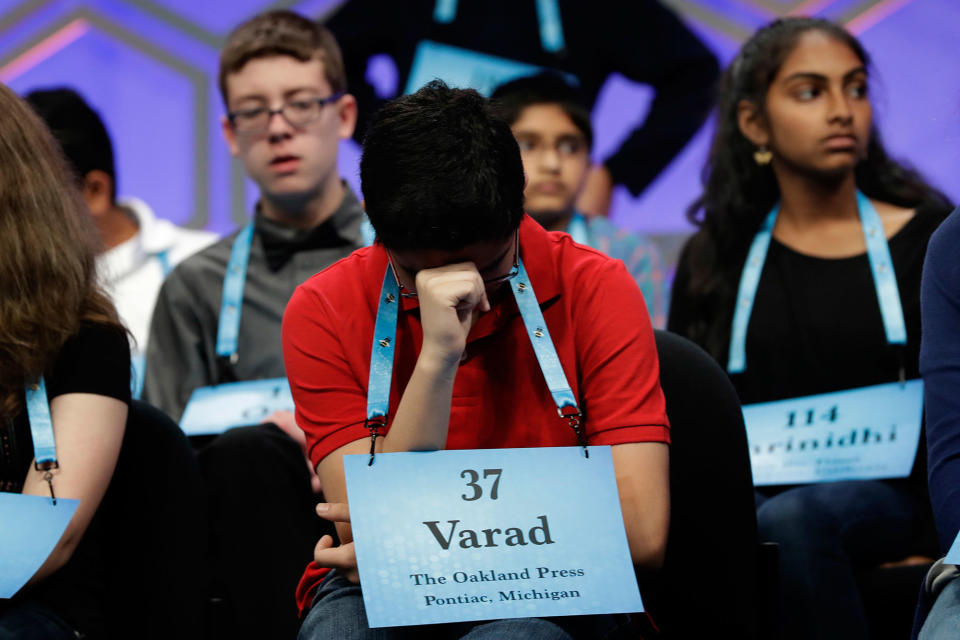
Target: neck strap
(881, 266)
(231, 300)
(166, 266)
(234, 281)
(578, 229)
(41, 426)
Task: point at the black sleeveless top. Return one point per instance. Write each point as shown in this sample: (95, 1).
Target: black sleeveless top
(96, 360)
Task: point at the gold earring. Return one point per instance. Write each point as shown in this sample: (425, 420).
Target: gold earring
(762, 156)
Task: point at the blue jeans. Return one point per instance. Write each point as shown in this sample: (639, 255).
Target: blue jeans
(29, 622)
(943, 621)
(338, 612)
(826, 532)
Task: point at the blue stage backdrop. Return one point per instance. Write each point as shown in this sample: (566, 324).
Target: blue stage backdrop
(150, 66)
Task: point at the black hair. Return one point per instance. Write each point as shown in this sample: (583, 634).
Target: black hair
(548, 87)
(440, 171)
(739, 193)
(78, 129)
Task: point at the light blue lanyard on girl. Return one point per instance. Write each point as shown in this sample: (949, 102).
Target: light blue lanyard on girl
(41, 430)
(384, 343)
(881, 266)
(29, 526)
(548, 17)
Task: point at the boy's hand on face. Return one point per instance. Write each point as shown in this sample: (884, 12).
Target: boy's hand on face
(451, 298)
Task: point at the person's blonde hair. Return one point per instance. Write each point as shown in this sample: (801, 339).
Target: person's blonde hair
(48, 246)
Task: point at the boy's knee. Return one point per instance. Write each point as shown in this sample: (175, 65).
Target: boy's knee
(338, 612)
(792, 515)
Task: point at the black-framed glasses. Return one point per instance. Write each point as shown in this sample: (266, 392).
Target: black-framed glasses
(406, 292)
(298, 113)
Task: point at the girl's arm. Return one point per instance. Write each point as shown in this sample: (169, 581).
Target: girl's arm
(88, 430)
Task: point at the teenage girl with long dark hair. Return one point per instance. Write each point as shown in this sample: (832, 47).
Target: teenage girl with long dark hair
(56, 327)
(797, 168)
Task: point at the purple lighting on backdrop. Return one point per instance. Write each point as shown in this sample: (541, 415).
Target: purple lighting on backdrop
(43, 50)
(149, 67)
(811, 7)
(876, 14)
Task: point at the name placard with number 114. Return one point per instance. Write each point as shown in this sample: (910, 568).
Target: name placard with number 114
(857, 434)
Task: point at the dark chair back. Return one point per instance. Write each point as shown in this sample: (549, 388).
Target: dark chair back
(155, 516)
(709, 583)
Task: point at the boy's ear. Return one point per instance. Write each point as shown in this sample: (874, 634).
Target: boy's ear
(347, 114)
(229, 135)
(752, 124)
(97, 191)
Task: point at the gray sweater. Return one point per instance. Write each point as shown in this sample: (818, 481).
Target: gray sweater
(181, 355)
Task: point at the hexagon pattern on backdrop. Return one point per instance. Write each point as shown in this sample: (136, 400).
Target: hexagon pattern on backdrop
(149, 67)
(739, 18)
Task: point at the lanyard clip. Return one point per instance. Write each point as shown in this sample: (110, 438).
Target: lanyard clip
(574, 418)
(225, 365)
(47, 468)
(373, 425)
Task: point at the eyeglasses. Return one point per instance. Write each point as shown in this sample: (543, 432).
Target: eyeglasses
(514, 270)
(298, 113)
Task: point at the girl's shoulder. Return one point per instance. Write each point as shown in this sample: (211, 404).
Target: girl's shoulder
(927, 217)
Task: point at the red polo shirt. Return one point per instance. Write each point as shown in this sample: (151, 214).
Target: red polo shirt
(597, 319)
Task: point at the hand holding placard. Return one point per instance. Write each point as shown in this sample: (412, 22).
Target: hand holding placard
(342, 557)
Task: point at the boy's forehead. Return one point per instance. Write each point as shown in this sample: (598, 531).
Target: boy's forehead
(544, 117)
(480, 253)
(276, 76)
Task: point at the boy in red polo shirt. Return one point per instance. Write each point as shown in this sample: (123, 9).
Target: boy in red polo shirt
(443, 183)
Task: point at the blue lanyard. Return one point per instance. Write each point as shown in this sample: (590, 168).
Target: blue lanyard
(165, 265)
(234, 281)
(542, 342)
(231, 300)
(138, 360)
(579, 230)
(367, 232)
(881, 266)
(41, 430)
(384, 344)
(548, 17)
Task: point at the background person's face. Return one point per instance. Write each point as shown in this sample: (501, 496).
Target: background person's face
(555, 159)
(818, 113)
(285, 160)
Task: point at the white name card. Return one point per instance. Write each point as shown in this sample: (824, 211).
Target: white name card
(213, 410)
(858, 434)
(449, 536)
